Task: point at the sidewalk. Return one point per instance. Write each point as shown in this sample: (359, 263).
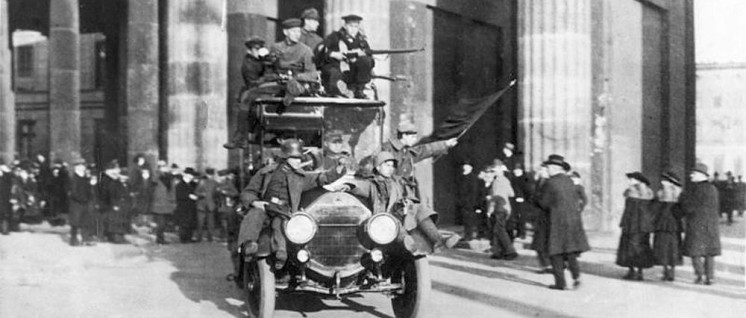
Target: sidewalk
(730, 267)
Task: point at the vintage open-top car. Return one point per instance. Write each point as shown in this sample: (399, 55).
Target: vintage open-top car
(337, 244)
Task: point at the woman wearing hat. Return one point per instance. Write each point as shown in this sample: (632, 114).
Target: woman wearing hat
(667, 239)
(634, 250)
(699, 205)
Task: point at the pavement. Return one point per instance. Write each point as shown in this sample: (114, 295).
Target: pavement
(42, 276)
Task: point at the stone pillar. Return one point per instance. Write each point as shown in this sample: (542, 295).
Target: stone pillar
(245, 19)
(7, 101)
(64, 79)
(142, 87)
(197, 80)
(412, 26)
(554, 48)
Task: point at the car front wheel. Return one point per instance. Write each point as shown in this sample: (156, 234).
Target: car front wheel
(415, 276)
(260, 289)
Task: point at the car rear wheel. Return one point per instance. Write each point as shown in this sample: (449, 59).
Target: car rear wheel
(416, 280)
(260, 289)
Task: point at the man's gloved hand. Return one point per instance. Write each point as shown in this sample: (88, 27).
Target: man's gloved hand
(259, 204)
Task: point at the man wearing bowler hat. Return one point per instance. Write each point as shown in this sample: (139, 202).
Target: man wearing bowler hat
(567, 237)
(348, 63)
(309, 37)
(699, 205)
(274, 194)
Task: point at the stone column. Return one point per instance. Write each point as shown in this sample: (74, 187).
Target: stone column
(197, 61)
(7, 101)
(64, 79)
(245, 19)
(142, 87)
(554, 48)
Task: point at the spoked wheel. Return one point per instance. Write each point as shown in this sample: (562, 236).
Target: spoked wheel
(260, 289)
(415, 276)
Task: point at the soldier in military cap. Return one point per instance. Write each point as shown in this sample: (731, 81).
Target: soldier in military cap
(408, 153)
(293, 70)
(348, 63)
(308, 36)
(335, 149)
(274, 193)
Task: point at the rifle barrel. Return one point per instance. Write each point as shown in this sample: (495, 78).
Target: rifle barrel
(396, 51)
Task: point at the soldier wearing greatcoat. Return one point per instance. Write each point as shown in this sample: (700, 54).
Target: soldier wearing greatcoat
(273, 195)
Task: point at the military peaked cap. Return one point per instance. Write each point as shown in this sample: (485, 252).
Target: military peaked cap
(310, 13)
(291, 23)
(352, 17)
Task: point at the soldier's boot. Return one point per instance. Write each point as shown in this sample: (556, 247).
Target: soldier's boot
(431, 232)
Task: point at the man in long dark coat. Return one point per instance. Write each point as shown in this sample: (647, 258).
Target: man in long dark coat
(186, 205)
(467, 200)
(59, 185)
(114, 199)
(699, 205)
(6, 184)
(80, 198)
(540, 222)
(567, 237)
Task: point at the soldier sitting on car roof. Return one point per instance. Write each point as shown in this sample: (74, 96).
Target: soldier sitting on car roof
(274, 194)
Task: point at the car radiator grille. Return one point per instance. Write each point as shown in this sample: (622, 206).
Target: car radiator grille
(336, 246)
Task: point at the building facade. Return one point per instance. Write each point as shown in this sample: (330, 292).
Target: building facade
(606, 83)
(721, 144)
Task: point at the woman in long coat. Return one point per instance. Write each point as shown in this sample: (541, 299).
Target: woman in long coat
(699, 205)
(667, 239)
(634, 250)
(163, 203)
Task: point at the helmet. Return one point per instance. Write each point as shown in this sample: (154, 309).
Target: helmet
(292, 148)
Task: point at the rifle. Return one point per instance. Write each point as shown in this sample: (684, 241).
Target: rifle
(396, 51)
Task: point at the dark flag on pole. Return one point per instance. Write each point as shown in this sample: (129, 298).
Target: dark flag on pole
(464, 115)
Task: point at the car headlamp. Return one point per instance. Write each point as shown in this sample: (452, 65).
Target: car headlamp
(300, 229)
(382, 228)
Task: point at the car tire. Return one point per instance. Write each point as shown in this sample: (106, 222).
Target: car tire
(260, 289)
(416, 279)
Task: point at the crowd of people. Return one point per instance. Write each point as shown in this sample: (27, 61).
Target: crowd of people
(105, 204)
(658, 228)
(499, 201)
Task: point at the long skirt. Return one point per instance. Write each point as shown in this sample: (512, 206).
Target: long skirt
(634, 251)
(666, 248)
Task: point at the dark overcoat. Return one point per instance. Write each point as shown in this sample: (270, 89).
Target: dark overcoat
(114, 198)
(298, 182)
(566, 234)
(540, 220)
(186, 208)
(163, 199)
(6, 184)
(80, 199)
(206, 191)
(699, 205)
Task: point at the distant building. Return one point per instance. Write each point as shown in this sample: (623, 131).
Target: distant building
(721, 116)
(31, 80)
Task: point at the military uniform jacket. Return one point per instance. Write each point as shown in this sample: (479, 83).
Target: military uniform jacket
(408, 156)
(341, 41)
(296, 57)
(297, 181)
(310, 39)
(566, 233)
(255, 72)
